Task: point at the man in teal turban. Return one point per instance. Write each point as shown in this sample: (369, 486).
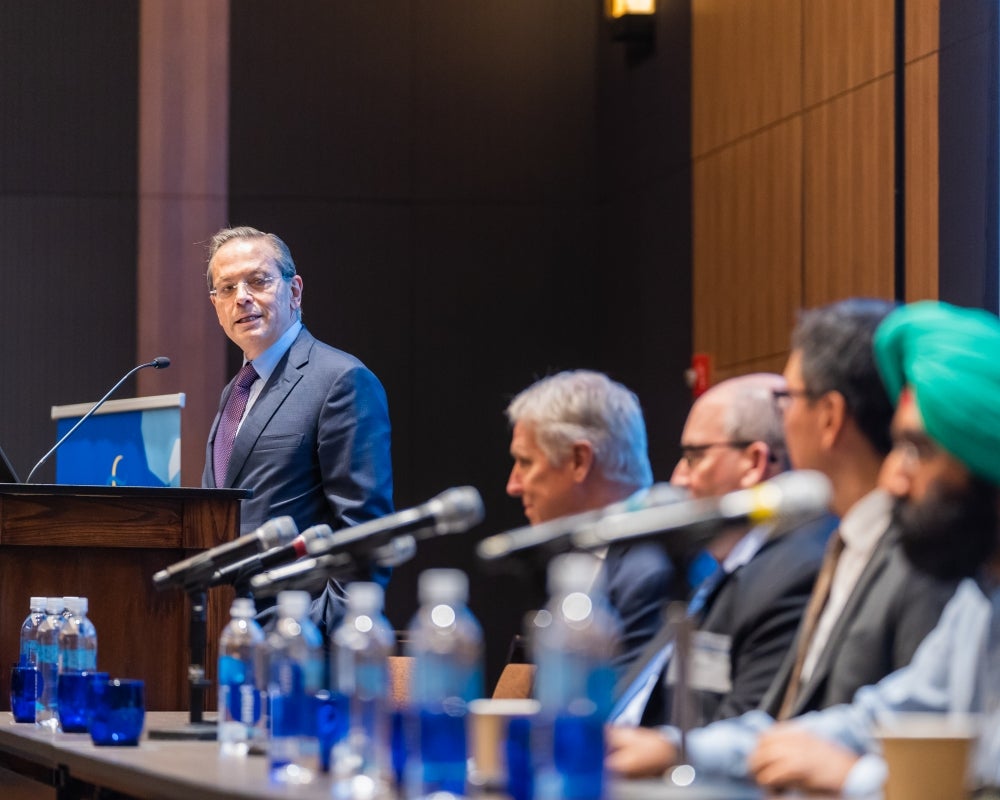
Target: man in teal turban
(941, 365)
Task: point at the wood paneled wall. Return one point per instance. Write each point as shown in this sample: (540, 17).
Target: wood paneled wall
(793, 149)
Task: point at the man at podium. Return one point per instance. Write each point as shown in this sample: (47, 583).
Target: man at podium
(303, 425)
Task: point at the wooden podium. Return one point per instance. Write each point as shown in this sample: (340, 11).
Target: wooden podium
(105, 543)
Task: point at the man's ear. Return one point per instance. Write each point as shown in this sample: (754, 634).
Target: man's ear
(757, 456)
(582, 459)
(832, 417)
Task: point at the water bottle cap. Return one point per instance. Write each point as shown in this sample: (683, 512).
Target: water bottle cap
(242, 608)
(76, 605)
(443, 586)
(365, 597)
(54, 605)
(293, 604)
(572, 572)
(37, 604)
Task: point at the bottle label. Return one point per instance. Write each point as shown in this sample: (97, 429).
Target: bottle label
(79, 659)
(29, 652)
(48, 653)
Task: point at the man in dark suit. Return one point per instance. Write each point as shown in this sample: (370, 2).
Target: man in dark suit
(303, 425)
(579, 444)
(870, 608)
(747, 613)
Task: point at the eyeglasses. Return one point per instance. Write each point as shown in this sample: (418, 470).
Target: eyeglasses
(914, 448)
(784, 397)
(257, 285)
(691, 454)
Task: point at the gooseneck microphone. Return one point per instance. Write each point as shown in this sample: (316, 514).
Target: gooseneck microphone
(555, 535)
(196, 572)
(791, 496)
(453, 511)
(161, 362)
(311, 541)
(310, 574)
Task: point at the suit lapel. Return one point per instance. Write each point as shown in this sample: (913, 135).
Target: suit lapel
(873, 569)
(278, 387)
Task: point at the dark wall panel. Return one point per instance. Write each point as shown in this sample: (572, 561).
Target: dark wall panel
(68, 77)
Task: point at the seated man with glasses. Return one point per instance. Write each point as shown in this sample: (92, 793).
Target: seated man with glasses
(302, 425)
(745, 614)
(871, 608)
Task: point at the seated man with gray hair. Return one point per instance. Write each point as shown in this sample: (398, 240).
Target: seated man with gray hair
(579, 444)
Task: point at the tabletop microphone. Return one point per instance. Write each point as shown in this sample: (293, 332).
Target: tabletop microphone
(453, 511)
(789, 496)
(311, 574)
(556, 534)
(160, 362)
(312, 541)
(197, 571)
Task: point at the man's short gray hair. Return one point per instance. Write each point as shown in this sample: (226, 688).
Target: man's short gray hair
(752, 415)
(582, 405)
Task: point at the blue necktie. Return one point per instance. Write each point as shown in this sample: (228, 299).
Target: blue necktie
(643, 683)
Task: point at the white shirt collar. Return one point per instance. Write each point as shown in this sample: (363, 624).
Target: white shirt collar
(267, 361)
(865, 522)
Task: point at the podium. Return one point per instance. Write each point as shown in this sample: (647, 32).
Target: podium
(105, 543)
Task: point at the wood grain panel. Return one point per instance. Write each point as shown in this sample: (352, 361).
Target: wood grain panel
(747, 245)
(922, 206)
(183, 153)
(849, 196)
(846, 43)
(923, 18)
(745, 67)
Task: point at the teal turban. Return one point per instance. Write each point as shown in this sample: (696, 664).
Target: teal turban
(950, 359)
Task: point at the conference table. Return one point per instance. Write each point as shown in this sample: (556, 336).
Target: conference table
(35, 763)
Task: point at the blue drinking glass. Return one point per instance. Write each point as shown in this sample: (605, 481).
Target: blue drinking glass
(75, 692)
(118, 712)
(25, 689)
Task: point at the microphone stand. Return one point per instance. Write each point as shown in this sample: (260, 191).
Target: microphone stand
(197, 728)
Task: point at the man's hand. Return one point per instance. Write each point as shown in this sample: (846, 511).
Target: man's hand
(788, 757)
(638, 752)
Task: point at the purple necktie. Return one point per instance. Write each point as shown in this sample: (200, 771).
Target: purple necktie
(225, 434)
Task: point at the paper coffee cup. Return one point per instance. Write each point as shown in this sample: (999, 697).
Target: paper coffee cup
(927, 755)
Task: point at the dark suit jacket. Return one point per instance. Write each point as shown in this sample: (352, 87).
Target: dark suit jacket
(314, 446)
(639, 579)
(759, 607)
(891, 610)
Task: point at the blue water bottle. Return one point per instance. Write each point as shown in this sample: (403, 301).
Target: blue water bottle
(359, 677)
(29, 631)
(46, 714)
(446, 643)
(240, 706)
(295, 678)
(574, 644)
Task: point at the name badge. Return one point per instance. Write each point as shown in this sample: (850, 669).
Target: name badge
(710, 663)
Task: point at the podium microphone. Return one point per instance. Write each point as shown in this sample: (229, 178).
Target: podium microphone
(310, 574)
(555, 534)
(312, 541)
(161, 362)
(799, 494)
(197, 571)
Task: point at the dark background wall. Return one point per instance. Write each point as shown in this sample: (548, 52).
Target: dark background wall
(476, 194)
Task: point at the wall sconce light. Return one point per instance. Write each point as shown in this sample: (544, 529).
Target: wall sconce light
(631, 20)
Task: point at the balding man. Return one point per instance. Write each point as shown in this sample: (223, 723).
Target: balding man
(747, 614)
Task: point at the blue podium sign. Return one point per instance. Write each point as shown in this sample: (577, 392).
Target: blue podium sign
(133, 442)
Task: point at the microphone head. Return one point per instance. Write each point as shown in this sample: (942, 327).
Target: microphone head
(456, 510)
(790, 494)
(396, 551)
(160, 362)
(317, 539)
(276, 532)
